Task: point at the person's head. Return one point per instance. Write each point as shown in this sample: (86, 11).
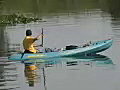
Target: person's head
(28, 32)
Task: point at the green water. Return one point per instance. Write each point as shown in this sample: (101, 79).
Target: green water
(65, 22)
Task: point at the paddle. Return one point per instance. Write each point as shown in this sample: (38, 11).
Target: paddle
(42, 38)
(22, 57)
(41, 45)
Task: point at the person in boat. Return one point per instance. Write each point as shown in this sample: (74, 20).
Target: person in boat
(28, 42)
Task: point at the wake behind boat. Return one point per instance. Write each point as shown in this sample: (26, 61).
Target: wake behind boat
(91, 48)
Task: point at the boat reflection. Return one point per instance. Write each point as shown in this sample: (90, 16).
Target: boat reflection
(96, 59)
(33, 66)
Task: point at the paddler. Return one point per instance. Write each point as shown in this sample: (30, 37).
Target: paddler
(28, 42)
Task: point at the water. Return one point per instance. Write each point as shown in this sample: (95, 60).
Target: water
(65, 22)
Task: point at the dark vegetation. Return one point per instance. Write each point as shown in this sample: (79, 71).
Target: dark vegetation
(14, 19)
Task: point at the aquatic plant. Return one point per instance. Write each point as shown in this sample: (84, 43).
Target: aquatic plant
(14, 19)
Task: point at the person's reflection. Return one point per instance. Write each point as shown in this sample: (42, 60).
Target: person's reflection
(31, 73)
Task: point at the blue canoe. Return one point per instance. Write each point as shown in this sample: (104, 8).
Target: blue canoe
(92, 48)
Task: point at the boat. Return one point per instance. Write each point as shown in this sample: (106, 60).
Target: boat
(71, 50)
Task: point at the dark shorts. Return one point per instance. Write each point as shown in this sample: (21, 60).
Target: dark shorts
(27, 51)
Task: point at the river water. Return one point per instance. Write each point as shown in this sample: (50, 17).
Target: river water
(64, 23)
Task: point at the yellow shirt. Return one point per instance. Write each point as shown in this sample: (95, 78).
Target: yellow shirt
(28, 44)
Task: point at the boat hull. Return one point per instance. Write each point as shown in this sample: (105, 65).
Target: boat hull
(94, 48)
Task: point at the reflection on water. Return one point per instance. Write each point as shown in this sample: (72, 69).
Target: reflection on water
(32, 66)
(8, 75)
(31, 74)
(96, 59)
(40, 7)
(3, 41)
(5, 46)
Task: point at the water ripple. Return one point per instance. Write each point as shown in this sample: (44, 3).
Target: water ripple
(8, 74)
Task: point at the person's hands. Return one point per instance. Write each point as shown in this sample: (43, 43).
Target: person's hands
(39, 36)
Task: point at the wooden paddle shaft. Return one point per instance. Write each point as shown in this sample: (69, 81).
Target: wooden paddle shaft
(42, 37)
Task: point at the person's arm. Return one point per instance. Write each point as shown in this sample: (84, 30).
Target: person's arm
(37, 45)
(38, 37)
